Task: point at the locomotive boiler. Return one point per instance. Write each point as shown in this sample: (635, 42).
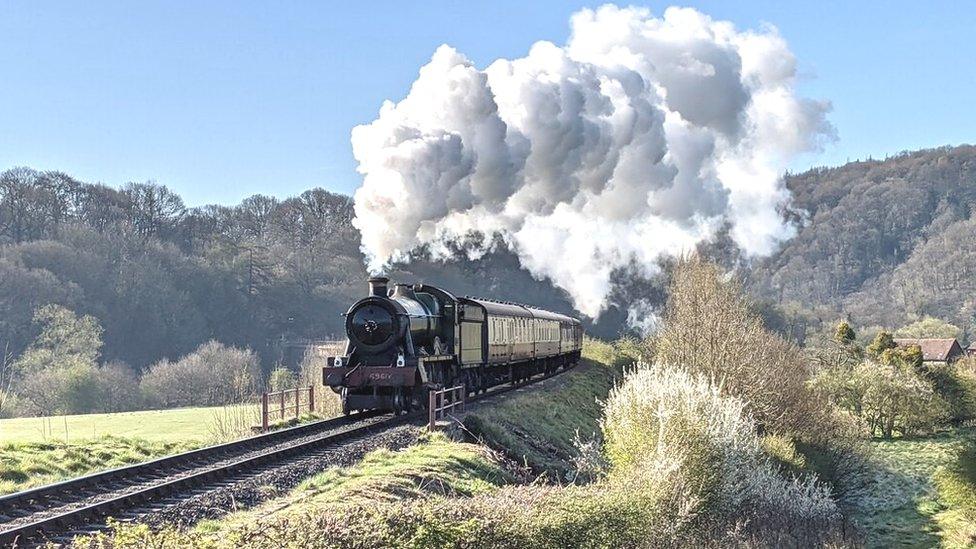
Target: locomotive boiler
(405, 340)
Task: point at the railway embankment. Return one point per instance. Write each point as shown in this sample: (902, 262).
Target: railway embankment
(542, 428)
(526, 444)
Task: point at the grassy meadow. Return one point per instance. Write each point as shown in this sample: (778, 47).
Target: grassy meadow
(184, 425)
(41, 450)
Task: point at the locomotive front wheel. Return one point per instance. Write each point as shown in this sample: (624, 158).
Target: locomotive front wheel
(345, 402)
(399, 403)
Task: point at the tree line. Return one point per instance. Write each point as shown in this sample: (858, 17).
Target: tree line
(161, 279)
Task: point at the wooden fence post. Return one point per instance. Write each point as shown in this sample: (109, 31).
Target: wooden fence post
(311, 399)
(433, 410)
(283, 405)
(264, 412)
(297, 401)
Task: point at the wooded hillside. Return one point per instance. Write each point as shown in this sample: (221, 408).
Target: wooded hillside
(884, 241)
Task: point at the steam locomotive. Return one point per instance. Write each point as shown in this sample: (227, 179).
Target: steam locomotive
(409, 339)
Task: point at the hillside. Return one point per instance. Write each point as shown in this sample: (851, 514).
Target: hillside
(883, 241)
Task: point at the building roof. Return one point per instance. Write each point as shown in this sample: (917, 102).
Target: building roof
(940, 350)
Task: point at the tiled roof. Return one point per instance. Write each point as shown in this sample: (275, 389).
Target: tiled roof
(932, 349)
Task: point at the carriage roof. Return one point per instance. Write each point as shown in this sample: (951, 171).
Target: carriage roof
(517, 310)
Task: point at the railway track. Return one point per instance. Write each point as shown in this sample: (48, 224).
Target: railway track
(72, 503)
(78, 506)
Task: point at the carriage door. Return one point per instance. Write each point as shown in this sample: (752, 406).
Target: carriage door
(472, 330)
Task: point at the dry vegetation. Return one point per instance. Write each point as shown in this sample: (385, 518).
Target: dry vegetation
(710, 331)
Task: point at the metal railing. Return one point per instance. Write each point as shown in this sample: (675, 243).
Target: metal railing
(444, 400)
(280, 404)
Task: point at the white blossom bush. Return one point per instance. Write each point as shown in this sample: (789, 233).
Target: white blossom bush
(662, 417)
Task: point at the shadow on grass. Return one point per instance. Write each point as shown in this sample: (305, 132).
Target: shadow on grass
(899, 504)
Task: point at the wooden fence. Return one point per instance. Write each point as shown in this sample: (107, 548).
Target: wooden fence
(277, 406)
(443, 401)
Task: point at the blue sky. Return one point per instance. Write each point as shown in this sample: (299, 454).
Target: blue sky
(221, 100)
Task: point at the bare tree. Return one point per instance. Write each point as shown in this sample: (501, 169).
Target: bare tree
(154, 208)
(711, 331)
(6, 378)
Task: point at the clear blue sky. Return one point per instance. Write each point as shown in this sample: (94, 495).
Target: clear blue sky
(221, 100)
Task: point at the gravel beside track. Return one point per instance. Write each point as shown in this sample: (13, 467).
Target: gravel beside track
(260, 486)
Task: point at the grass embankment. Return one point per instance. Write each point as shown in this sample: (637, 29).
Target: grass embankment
(541, 428)
(435, 467)
(921, 492)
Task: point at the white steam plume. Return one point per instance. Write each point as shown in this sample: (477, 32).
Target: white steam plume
(638, 139)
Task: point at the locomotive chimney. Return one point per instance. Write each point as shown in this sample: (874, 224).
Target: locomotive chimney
(377, 285)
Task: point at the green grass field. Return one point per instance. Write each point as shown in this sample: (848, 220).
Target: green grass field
(186, 425)
(40, 450)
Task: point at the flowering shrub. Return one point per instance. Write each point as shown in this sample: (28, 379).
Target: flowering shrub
(665, 417)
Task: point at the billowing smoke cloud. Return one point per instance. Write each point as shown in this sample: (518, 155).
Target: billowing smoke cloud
(639, 138)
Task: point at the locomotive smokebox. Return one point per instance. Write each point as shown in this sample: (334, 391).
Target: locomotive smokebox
(377, 286)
